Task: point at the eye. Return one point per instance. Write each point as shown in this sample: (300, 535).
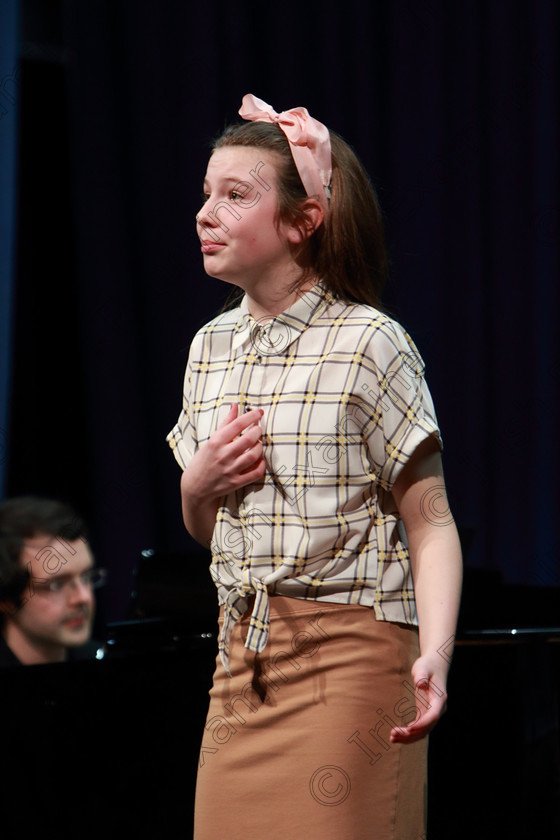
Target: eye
(235, 195)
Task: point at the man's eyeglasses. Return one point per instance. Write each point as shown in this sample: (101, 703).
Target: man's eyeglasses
(92, 579)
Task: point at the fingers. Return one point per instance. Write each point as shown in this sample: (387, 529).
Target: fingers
(235, 425)
(431, 703)
(249, 456)
(239, 444)
(249, 464)
(419, 728)
(241, 424)
(232, 414)
(240, 436)
(253, 474)
(249, 441)
(235, 451)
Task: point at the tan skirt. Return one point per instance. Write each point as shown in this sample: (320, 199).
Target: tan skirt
(296, 743)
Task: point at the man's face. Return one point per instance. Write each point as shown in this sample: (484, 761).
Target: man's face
(58, 606)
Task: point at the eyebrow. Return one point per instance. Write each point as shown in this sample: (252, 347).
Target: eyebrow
(68, 576)
(228, 180)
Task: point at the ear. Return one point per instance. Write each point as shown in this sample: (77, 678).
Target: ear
(311, 218)
(7, 609)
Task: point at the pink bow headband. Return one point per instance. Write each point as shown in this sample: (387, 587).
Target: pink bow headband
(309, 141)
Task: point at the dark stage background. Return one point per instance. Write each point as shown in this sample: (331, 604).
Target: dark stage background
(453, 109)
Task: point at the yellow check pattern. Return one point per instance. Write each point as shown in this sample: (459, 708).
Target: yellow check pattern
(345, 405)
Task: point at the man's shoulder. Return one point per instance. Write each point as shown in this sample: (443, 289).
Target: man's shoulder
(8, 659)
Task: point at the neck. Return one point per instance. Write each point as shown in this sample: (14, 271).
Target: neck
(32, 651)
(264, 303)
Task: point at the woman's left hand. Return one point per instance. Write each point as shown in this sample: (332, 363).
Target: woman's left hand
(428, 674)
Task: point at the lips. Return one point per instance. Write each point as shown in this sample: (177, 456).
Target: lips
(208, 246)
(75, 621)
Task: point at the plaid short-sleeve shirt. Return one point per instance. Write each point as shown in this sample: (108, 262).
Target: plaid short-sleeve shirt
(345, 405)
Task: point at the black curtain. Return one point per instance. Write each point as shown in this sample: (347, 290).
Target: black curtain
(453, 108)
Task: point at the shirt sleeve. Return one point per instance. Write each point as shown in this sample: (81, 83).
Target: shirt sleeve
(181, 438)
(397, 404)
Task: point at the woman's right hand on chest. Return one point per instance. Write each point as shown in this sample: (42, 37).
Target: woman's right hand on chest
(231, 458)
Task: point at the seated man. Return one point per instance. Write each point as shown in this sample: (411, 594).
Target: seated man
(47, 578)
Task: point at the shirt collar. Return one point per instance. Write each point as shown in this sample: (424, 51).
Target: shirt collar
(276, 334)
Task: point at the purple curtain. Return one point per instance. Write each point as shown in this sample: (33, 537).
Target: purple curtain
(453, 109)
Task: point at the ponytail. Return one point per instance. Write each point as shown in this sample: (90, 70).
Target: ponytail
(351, 259)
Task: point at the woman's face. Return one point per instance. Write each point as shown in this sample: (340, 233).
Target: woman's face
(242, 240)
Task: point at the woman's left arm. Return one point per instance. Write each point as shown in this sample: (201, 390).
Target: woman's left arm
(435, 557)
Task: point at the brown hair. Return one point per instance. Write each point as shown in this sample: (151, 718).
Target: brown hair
(24, 517)
(347, 252)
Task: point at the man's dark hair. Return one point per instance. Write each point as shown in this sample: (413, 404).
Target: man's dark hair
(25, 517)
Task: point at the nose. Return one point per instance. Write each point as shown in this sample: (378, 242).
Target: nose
(204, 217)
(207, 223)
(80, 592)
